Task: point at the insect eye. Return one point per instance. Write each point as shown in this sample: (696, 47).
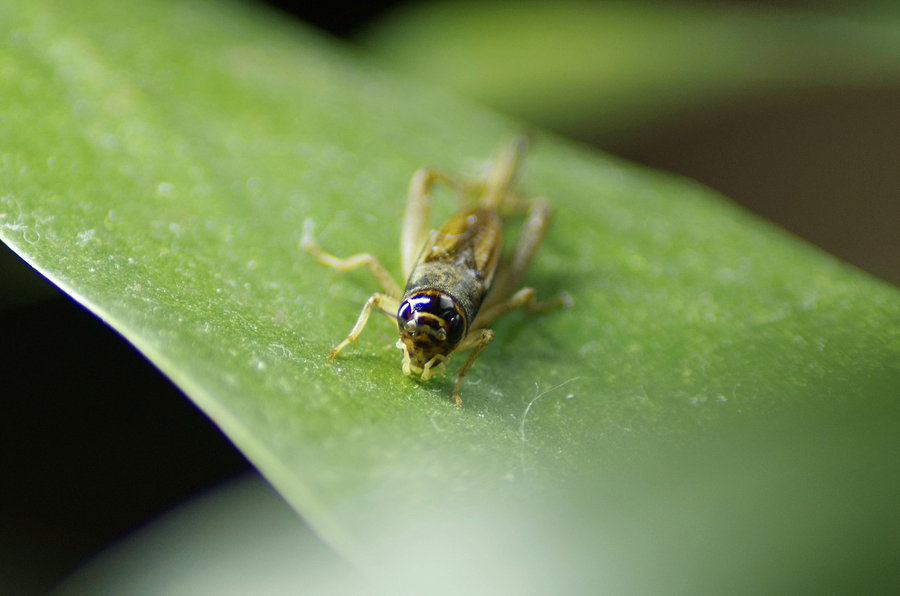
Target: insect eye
(406, 316)
(455, 328)
(437, 312)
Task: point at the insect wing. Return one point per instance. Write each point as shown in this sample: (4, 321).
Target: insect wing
(472, 238)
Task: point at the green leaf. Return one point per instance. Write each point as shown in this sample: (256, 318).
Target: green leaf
(157, 161)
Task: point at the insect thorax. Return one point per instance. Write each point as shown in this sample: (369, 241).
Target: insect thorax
(464, 286)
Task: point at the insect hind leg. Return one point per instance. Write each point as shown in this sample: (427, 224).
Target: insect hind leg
(417, 218)
(513, 269)
(525, 299)
(497, 193)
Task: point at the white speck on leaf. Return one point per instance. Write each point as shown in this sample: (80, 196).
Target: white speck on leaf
(84, 238)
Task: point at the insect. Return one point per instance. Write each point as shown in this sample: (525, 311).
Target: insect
(456, 279)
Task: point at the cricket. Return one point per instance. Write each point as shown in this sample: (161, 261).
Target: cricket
(457, 280)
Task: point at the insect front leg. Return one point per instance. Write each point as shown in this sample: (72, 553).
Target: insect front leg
(387, 304)
(477, 341)
(379, 272)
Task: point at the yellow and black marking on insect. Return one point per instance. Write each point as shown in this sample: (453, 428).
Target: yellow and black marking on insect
(457, 281)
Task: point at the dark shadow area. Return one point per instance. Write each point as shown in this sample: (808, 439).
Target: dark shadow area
(93, 439)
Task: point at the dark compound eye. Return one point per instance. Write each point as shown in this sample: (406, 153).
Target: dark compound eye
(455, 328)
(437, 311)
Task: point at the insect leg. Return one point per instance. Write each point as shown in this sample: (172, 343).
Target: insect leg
(512, 270)
(501, 179)
(379, 272)
(417, 219)
(477, 341)
(387, 304)
(524, 298)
